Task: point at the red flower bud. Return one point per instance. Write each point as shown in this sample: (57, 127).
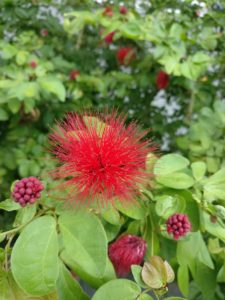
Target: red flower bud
(44, 32)
(179, 225)
(74, 74)
(109, 37)
(125, 55)
(127, 250)
(108, 11)
(162, 80)
(33, 64)
(27, 190)
(123, 10)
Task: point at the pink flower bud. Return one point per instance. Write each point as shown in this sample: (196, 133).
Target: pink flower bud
(127, 250)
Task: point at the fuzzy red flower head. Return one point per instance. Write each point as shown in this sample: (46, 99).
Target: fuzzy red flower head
(126, 251)
(109, 37)
(101, 158)
(123, 10)
(108, 11)
(74, 74)
(33, 64)
(179, 225)
(162, 80)
(125, 55)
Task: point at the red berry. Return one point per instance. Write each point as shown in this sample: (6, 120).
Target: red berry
(27, 190)
(109, 37)
(108, 11)
(123, 10)
(22, 191)
(179, 225)
(125, 55)
(33, 64)
(44, 32)
(74, 74)
(162, 80)
(127, 250)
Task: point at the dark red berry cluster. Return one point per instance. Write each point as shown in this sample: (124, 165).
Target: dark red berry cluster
(27, 190)
(179, 225)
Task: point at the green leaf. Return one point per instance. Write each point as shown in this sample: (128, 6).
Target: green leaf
(133, 210)
(175, 298)
(111, 230)
(145, 297)
(8, 51)
(111, 215)
(14, 105)
(193, 249)
(68, 288)
(93, 281)
(9, 205)
(200, 58)
(198, 169)
(136, 272)
(3, 115)
(24, 90)
(214, 228)
(85, 243)
(183, 279)
(214, 186)
(21, 57)
(54, 86)
(119, 289)
(34, 259)
(176, 180)
(25, 214)
(167, 205)
(170, 163)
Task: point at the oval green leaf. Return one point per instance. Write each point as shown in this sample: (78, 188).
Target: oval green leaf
(34, 259)
(68, 288)
(85, 242)
(119, 289)
(170, 163)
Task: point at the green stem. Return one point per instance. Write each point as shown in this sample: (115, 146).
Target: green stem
(157, 296)
(14, 230)
(7, 248)
(152, 232)
(190, 108)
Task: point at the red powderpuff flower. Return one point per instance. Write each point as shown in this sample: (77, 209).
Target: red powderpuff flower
(125, 55)
(162, 80)
(33, 64)
(74, 74)
(179, 225)
(27, 190)
(109, 37)
(44, 32)
(100, 159)
(126, 251)
(123, 10)
(108, 11)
